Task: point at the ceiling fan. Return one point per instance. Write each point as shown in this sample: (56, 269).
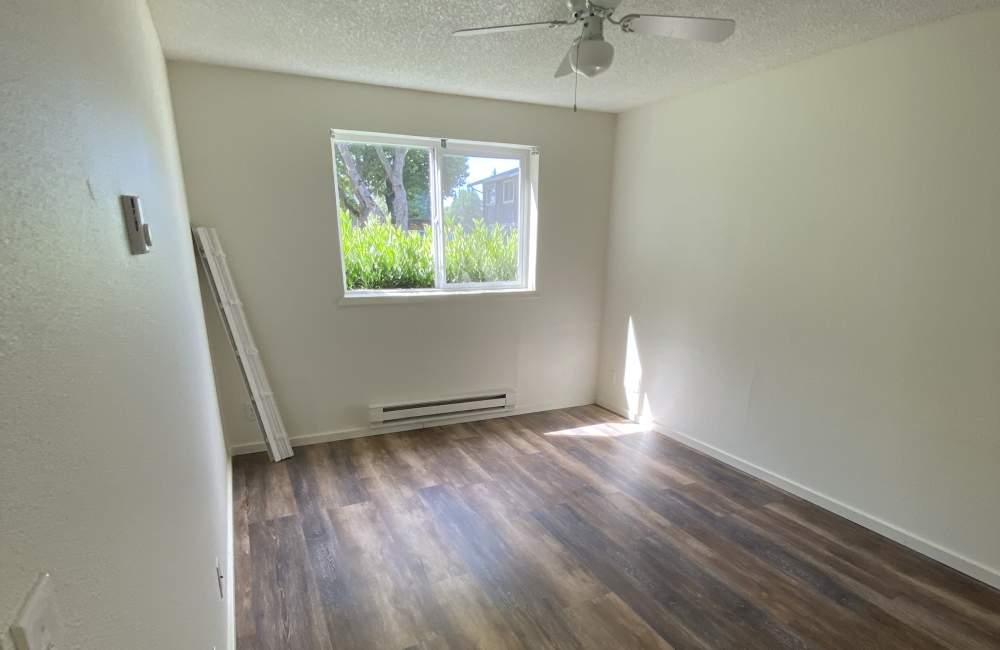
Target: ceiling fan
(590, 54)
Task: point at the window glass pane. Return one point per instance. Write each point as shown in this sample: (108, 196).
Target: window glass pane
(482, 216)
(385, 216)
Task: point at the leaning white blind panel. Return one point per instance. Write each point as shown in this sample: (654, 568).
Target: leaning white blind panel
(234, 319)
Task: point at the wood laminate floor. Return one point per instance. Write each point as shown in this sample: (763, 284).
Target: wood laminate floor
(568, 529)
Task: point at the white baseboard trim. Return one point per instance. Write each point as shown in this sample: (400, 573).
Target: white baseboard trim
(230, 560)
(361, 432)
(617, 410)
(989, 575)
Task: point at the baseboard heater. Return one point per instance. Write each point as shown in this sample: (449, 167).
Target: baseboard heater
(401, 413)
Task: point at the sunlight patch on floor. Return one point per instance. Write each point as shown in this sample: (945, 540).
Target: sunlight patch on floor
(602, 430)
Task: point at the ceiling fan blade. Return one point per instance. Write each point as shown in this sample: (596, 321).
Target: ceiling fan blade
(476, 31)
(565, 68)
(714, 30)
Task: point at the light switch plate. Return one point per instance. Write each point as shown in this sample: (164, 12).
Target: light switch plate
(37, 624)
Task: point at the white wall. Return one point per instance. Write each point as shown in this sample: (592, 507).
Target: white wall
(809, 260)
(256, 153)
(112, 464)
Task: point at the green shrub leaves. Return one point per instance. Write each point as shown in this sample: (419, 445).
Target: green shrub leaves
(379, 255)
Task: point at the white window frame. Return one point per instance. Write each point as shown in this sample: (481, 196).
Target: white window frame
(526, 155)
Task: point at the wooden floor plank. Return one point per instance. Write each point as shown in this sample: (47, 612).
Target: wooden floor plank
(567, 529)
(607, 623)
(519, 594)
(287, 611)
(802, 610)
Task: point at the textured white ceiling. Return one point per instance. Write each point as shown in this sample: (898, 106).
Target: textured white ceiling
(408, 44)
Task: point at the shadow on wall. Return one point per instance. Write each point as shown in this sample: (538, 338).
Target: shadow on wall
(628, 386)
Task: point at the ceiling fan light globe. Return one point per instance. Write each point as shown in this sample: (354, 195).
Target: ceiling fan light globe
(592, 57)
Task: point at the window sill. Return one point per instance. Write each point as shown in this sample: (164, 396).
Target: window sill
(390, 297)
